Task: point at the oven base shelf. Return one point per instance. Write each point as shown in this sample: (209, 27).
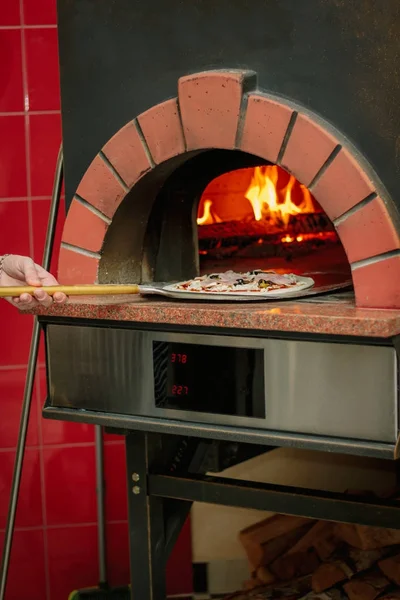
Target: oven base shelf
(227, 433)
(160, 503)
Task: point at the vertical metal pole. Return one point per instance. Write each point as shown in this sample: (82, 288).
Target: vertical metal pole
(100, 506)
(30, 378)
(146, 525)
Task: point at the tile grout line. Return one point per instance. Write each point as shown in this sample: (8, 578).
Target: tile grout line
(25, 199)
(61, 446)
(35, 113)
(55, 446)
(12, 367)
(27, 128)
(65, 525)
(23, 26)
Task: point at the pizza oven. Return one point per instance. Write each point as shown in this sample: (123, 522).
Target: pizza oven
(230, 152)
(217, 136)
(227, 176)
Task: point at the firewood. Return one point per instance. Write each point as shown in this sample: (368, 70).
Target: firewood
(391, 568)
(345, 563)
(365, 559)
(267, 539)
(320, 537)
(328, 595)
(329, 574)
(254, 553)
(367, 538)
(289, 591)
(251, 584)
(265, 575)
(278, 546)
(326, 547)
(304, 557)
(273, 527)
(299, 564)
(367, 587)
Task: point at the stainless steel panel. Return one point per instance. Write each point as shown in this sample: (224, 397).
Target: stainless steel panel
(330, 389)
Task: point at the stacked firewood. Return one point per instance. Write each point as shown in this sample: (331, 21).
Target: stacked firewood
(294, 557)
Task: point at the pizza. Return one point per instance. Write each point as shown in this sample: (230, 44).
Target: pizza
(253, 282)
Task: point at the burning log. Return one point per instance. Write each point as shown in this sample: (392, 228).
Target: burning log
(259, 239)
(252, 229)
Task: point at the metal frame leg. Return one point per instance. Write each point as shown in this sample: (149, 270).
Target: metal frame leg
(146, 525)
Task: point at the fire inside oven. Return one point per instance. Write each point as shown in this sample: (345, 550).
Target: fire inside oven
(263, 217)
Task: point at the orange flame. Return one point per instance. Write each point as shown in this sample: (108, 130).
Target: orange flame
(266, 201)
(269, 200)
(208, 216)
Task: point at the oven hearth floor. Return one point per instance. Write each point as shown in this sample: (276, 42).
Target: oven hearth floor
(331, 315)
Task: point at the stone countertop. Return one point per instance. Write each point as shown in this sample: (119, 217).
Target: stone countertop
(330, 315)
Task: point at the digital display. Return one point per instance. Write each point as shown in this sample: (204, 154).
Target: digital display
(209, 379)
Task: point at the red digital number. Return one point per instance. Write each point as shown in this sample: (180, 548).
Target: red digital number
(179, 358)
(180, 390)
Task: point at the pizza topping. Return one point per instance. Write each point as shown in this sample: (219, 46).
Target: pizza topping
(256, 281)
(262, 283)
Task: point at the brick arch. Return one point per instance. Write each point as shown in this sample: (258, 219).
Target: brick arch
(223, 109)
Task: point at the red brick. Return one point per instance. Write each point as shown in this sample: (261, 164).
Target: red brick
(265, 127)
(307, 150)
(368, 232)
(83, 228)
(162, 129)
(75, 268)
(210, 107)
(100, 188)
(342, 186)
(378, 285)
(126, 153)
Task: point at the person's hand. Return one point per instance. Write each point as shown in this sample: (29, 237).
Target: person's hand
(21, 270)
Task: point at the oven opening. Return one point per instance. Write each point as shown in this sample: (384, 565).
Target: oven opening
(263, 217)
(220, 210)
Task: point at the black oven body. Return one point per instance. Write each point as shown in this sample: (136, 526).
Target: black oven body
(339, 59)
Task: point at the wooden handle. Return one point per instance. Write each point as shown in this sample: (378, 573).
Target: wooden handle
(72, 290)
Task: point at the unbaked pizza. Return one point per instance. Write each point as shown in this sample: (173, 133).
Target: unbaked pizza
(253, 282)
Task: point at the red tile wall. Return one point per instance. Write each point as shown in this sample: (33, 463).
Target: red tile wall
(55, 544)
